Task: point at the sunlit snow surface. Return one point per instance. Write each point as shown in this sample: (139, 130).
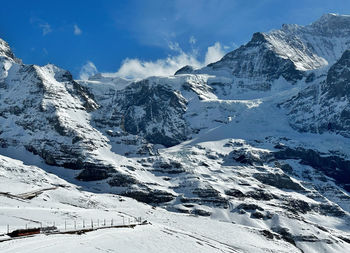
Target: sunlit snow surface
(167, 232)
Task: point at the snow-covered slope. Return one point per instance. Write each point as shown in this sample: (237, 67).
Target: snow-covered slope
(66, 206)
(256, 142)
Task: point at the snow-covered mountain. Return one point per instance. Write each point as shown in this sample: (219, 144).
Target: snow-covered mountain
(259, 139)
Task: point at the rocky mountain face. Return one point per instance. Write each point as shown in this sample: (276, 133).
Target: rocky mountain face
(152, 110)
(262, 60)
(260, 137)
(288, 54)
(326, 102)
(45, 111)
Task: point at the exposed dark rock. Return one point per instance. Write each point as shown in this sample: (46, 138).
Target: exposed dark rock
(285, 167)
(260, 195)
(84, 94)
(261, 216)
(306, 238)
(249, 207)
(189, 200)
(310, 78)
(345, 239)
(244, 156)
(331, 210)
(76, 165)
(285, 234)
(201, 212)
(149, 196)
(297, 206)
(206, 192)
(184, 70)
(235, 193)
(210, 195)
(251, 160)
(122, 180)
(280, 181)
(170, 167)
(92, 174)
(205, 199)
(279, 146)
(332, 166)
(338, 78)
(58, 126)
(268, 234)
(257, 215)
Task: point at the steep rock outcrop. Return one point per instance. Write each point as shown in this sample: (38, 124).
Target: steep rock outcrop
(324, 106)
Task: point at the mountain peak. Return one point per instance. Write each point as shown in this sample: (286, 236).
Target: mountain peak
(5, 50)
(331, 16)
(333, 24)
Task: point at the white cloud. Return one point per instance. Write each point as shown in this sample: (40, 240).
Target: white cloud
(135, 69)
(192, 40)
(77, 30)
(88, 69)
(174, 46)
(46, 28)
(42, 24)
(214, 53)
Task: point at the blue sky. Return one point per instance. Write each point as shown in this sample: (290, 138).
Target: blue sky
(144, 34)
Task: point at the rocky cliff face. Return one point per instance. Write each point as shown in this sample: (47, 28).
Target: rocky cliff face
(324, 106)
(154, 111)
(260, 59)
(44, 110)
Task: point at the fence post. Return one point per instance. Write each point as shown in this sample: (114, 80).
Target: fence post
(26, 226)
(75, 224)
(83, 223)
(104, 222)
(92, 224)
(8, 228)
(111, 222)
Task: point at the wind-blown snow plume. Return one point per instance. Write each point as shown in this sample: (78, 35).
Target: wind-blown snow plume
(89, 69)
(135, 69)
(214, 53)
